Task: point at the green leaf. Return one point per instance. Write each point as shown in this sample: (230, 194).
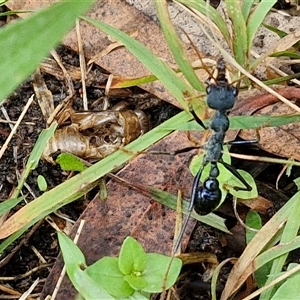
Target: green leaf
(137, 283)
(246, 8)
(8, 204)
(253, 220)
(156, 269)
(239, 43)
(70, 162)
(35, 36)
(175, 46)
(75, 263)
(290, 231)
(42, 183)
(106, 273)
(297, 182)
(223, 177)
(290, 289)
(235, 182)
(256, 19)
(73, 257)
(137, 296)
(132, 258)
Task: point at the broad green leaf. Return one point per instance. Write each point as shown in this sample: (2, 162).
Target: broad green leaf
(155, 272)
(136, 282)
(234, 182)
(70, 162)
(24, 43)
(75, 263)
(132, 258)
(73, 257)
(223, 177)
(137, 296)
(106, 273)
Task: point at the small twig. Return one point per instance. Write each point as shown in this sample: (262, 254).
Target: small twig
(28, 292)
(14, 122)
(239, 218)
(5, 145)
(265, 159)
(27, 274)
(70, 85)
(82, 65)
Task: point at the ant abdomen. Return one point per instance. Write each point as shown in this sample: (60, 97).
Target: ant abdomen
(208, 197)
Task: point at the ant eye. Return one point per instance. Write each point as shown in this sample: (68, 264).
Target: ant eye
(235, 91)
(208, 89)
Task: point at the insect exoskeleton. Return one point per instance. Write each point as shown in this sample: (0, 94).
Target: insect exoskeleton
(94, 135)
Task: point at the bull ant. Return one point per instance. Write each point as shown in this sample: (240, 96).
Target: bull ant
(206, 196)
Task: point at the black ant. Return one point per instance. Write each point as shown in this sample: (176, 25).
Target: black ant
(221, 96)
(206, 196)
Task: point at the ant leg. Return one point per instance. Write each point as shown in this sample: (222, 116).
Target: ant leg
(195, 188)
(237, 175)
(243, 143)
(197, 119)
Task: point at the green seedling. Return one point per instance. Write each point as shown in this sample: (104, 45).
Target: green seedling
(134, 273)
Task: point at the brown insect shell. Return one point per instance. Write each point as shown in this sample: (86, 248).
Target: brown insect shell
(68, 139)
(95, 120)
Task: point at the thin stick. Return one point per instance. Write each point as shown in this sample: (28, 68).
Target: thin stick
(82, 65)
(265, 159)
(5, 145)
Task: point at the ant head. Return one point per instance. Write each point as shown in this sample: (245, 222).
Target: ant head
(221, 95)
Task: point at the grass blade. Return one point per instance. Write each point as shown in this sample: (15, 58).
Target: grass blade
(160, 69)
(239, 38)
(175, 46)
(212, 14)
(25, 43)
(256, 19)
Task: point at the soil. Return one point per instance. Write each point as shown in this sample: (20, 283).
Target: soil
(21, 263)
